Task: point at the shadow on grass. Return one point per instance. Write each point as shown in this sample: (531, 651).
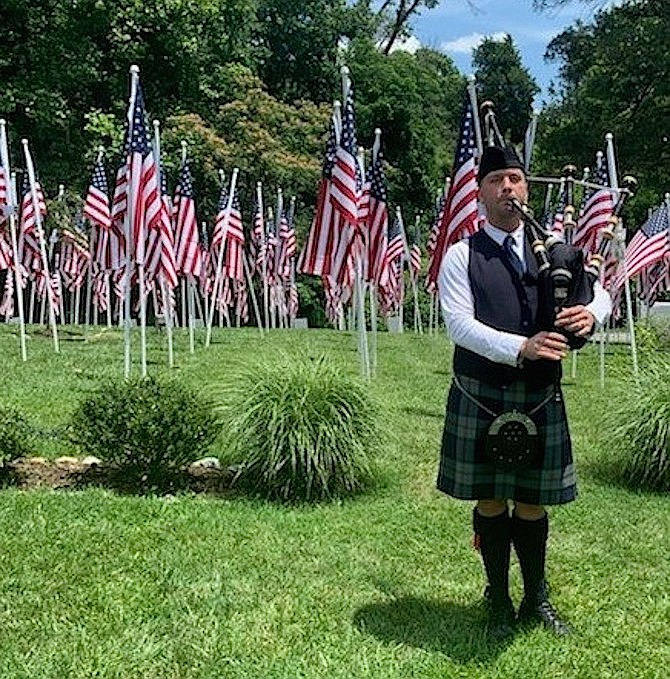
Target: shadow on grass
(424, 412)
(452, 629)
(611, 472)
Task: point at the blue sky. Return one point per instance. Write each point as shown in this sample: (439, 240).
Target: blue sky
(453, 27)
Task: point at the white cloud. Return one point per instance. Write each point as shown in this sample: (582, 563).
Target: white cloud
(466, 43)
(410, 45)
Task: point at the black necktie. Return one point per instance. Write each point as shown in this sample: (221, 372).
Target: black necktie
(508, 244)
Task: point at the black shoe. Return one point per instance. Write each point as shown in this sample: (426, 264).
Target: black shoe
(501, 620)
(542, 612)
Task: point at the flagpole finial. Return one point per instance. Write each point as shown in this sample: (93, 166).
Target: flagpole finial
(3, 122)
(344, 71)
(337, 104)
(472, 79)
(259, 185)
(609, 136)
(378, 131)
(157, 124)
(135, 69)
(61, 190)
(222, 175)
(24, 141)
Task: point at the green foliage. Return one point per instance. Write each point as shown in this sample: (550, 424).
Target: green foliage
(638, 428)
(502, 78)
(16, 437)
(300, 430)
(614, 78)
(147, 429)
(416, 101)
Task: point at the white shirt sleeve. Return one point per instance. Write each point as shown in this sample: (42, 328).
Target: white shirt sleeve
(459, 311)
(601, 306)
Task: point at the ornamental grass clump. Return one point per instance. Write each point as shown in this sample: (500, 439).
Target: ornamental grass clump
(638, 423)
(300, 430)
(146, 430)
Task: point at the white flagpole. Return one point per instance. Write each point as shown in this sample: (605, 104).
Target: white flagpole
(252, 292)
(358, 264)
(167, 306)
(129, 219)
(272, 317)
(264, 253)
(620, 239)
(219, 259)
(40, 234)
(11, 214)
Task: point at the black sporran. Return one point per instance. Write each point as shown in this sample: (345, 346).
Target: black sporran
(512, 441)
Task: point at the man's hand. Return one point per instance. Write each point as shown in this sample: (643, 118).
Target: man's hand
(550, 345)
(576, 319)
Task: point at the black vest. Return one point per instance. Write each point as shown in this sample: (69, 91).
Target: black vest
(505, 302)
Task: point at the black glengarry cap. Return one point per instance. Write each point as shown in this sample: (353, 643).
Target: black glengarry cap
(498, 158)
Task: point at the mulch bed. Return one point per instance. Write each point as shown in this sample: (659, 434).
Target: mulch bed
(32, 473)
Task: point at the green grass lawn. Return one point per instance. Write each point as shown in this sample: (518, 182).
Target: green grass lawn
(386, 585)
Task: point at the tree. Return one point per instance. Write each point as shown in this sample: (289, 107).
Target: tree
(415, 99)
(300, 41)
(62, 61)
(615, 77)
(503, 79)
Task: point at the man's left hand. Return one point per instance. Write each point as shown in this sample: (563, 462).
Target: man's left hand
(576, 319)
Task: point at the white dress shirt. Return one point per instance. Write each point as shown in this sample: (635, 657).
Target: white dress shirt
(459, 309)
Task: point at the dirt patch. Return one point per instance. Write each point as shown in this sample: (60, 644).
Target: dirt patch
(34, 473)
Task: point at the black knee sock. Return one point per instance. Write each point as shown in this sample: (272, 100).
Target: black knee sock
(530, 543)
(494, 545)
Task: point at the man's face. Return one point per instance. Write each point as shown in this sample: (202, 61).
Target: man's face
(495, 192)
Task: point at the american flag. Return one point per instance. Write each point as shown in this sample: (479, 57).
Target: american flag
(390, 284)
(161, 262)
(334, 303)
(256, 242)
(396, 242)
(96, 203)
(598, 207)
(188, 259)
(655, 280)
(116, 244)
(29, 244)
(378, 218)
(144, 199)
(97, 212)
(287, 246)
(241, 302)
(459, 218)
(5, 251)
(4, 192)
(346, 179)
(346, 190)
(415, 258)
(206, 279)
(648, 246)
(230, 237)
(316, 255)
(75, 256)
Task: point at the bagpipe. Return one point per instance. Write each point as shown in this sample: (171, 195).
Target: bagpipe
(564, 278)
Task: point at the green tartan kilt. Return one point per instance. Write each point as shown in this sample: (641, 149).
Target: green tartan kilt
(464, 471)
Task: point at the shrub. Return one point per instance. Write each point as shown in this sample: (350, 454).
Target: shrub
(300, 430)
(639, 426)
(16, 436)
(145, 428)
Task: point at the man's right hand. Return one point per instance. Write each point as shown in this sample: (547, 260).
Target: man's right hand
(549, 345)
